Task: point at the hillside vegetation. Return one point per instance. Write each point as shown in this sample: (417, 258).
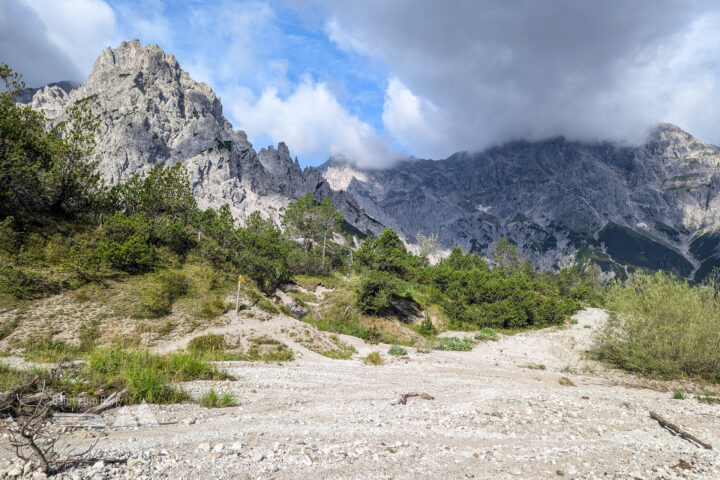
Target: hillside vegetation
(145, 250)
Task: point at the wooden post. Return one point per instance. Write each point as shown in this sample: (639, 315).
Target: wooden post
(241, 280)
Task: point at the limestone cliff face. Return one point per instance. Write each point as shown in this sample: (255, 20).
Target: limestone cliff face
(152, 113)
(654, 206)
(555, 199)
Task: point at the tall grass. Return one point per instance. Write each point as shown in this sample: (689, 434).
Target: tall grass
(662, 326)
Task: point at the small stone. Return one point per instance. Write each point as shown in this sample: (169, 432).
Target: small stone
(204, 447)
(132, 462)
(258, 458)
(38, 475)
(99, 465)
(307, 461)
(219, 447)
(14, 472)
(236, 446)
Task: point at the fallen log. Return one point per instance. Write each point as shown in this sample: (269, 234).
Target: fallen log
(403, 398)
(679, 431)
(9, 399)
(109, 402)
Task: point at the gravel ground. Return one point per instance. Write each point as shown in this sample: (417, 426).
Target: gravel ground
(499, 411)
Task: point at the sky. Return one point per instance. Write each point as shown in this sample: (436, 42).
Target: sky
(376, 81)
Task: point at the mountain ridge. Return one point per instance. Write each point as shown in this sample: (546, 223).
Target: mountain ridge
(555, 199)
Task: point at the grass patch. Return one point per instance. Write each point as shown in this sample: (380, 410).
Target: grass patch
(678, 395)
(486, 334)
(453, 344)
(373, 358)
(535, 366)
(11, 377)
(261, 301)
(709, 399)
(211, 399)
(663, 327)
(9, 327)
(340, 351)
(262, 349)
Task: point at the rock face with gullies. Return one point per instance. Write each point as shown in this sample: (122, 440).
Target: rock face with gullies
(153, 113)
(617, 205)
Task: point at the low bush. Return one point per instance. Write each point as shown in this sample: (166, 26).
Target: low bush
(426, 328)
(397, 350)
(373, 358)
(662, 326)
(485, 334)
(453, 344)
(162, 290)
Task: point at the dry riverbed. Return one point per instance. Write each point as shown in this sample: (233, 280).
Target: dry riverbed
(503, 410)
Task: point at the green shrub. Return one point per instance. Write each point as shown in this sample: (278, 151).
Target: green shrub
(426, 328)
(397, 350)
(26, 284)
(373, 358)
(678, 395)
(662, 326)
(134, 255)
(163, 289)
(453, 344)
(375, 291)
(485, 334)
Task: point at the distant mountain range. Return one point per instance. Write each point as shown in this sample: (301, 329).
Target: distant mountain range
(654, 206)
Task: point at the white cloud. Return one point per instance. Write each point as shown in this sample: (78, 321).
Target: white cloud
(470, 74)
(416, 122)
(312, 122)
(79, 28)
(25, 46)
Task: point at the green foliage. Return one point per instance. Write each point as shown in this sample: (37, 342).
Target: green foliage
(147, 377)
(165, 191)
(512, 295)
(630, 247)
(134, 255)
(208, 343)
(426, 328)
(375, 291)
(678, 395)
(162, 290)
(385, 253)
(26, 284)
(373, 358)
(453, 344)
(662, 326)
(397, 350)
(263, 253)
(313, 224)
(212, 400)
(485, 334)
(45, 170)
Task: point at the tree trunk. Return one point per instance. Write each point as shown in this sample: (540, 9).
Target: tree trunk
(323, 253)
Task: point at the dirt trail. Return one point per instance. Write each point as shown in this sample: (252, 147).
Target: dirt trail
(496, 414)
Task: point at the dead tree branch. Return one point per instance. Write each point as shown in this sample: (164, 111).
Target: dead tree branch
(682, 433)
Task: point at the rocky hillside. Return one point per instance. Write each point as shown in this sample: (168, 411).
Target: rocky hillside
(652, 206)
(153, 113)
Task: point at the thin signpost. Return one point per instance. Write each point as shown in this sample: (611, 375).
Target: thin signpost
(241, 280)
